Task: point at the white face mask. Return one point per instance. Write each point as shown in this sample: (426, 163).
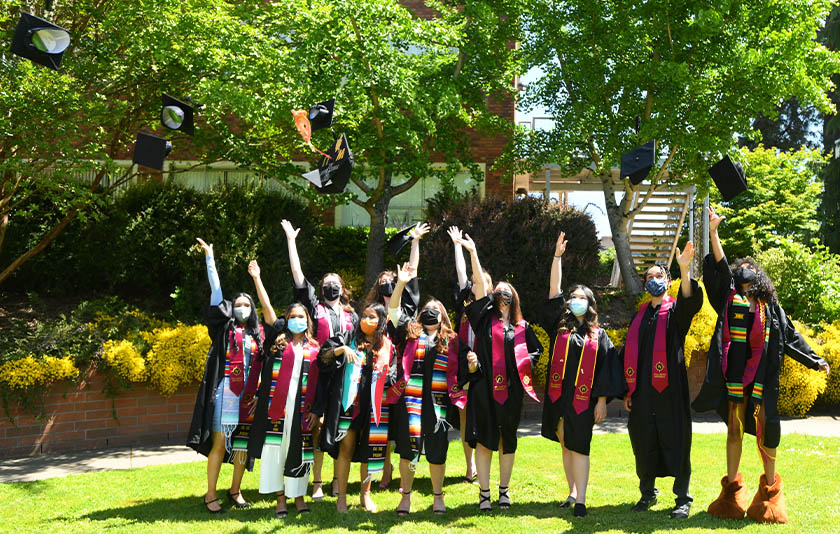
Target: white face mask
(242, 313)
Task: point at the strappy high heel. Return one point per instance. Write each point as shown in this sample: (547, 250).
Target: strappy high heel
(482, 498)
(241, 505)
(439, 511)
(503, 494)
(210, 510)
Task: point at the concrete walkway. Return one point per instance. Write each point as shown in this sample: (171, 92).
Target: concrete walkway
(57, 465)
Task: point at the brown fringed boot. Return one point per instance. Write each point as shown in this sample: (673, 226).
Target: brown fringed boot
(733, 499)
(768, 505)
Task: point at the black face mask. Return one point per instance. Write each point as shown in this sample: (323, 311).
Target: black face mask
(744, 276)
(332, 291)
(386, 289)
(503, 296)
(429, 316)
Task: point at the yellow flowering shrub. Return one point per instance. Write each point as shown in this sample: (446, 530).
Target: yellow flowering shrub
(617, 336)
(125, 359)
(176, 356)
(28, 372)
(798, 385)
(541, 369)
(354, 281)
(830, 345)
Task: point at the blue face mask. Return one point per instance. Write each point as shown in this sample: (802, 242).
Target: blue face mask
(656, 286)
(578, 306)
(297, 324)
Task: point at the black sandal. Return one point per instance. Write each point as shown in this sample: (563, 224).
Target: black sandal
(403, 513)
(469, 480)
(241, 505)
(437, 510)
(484, 499)
(503, 492)
(208, 503)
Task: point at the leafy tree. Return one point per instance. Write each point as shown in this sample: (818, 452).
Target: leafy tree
(695, 73)
(781, 204)
(790, 128)
(830, 205)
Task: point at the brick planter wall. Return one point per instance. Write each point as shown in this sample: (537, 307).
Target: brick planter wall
(80, 416)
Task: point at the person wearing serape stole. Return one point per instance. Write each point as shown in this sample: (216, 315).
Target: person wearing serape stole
(500, 375)
(583, 372)
(381, 293)
(359, 367)
(331, 313)
(281, 434)
(421, 394)
(657, 384)
(751, 337)
(222, 414)
(463, 294)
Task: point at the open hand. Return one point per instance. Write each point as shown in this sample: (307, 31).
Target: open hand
(312, 422)
(467, 243)
(560, 246)
(291, 233)
(419, 230)
(455, 233)
(254, 269)
(714, 220)
(628, 402)
(351, 356)
(208, 249)
(684, 258)
(600, 410)
(406, 273)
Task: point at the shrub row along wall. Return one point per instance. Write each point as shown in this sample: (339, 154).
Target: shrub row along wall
(80, 416)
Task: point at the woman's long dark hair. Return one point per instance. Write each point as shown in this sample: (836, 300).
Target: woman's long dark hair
(375, 296)
(381, 329)
(445, 333)
(252, 325)
(282, 340)
(568, 323)
(762, 287)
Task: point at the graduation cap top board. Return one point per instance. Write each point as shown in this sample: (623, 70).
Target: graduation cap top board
(399, 240)
(333, 171)
(321, 114)
(151, 150)
(40, 41)
(729, 178)
(637, 163)
(176, 114)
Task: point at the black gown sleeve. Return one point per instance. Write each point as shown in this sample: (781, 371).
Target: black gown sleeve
(687, 307)
(609, 377)
(795, 345)
(535, 348)
(718, 281)
(307, 296)
(460, 296)
(273, 331)
(217, 317)
(550, 313)
(478, 310)
(410, 298)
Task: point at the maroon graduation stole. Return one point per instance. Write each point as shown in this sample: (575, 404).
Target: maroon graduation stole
(235, 368)
(379, 373)
(322, 334)
(277, 409)
(659, 366)
(735, 331)
(585, 375)
(520, 352)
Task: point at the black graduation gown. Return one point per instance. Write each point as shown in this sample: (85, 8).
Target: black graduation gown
(261, 422)
(460, 296)
(219, 320)
(335, 371)
(577, 427)
(660, 423)
(784, 339)
(484, 414)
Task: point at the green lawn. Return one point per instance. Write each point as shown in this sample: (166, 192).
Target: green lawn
(167, 498)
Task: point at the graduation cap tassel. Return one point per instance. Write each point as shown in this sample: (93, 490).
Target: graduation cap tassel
(305, 130)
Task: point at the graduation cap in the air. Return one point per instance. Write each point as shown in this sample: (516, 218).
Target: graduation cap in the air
(177, 115)
(333, 171)
(729, 178)
(637, 163)
(151, 150)
(321, 114)
(40, 41)
(399, 240)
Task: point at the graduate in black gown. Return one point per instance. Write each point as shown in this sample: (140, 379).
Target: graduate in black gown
(331, 313)
(751, 337)
(657, 400)
(358, 433)
(421, 394)
(224, 399)
(583, 372)
(500, 375)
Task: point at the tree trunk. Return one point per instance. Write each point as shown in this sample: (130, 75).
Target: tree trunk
(375, 261)
(46, 240)
(618, 226)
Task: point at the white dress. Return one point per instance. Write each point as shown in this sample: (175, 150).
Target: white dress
(273, 462)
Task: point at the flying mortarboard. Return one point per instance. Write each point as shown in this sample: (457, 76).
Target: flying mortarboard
(333, 171)
(399, 240)
(177, 115)
(40, 41)
(637, 163)
(729, 178)
(321, 114)
(151, 150)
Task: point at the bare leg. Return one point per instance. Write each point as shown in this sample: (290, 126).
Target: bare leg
(406, 483)
(317, 465)
(346, 448)
(238, 471)
(469, 452)
(364, 495)
(734, 438)
(505, 470)
(580, 473)
(567, 461)
(483, 461)
(388, 470)
(437, 472)
(214, 465)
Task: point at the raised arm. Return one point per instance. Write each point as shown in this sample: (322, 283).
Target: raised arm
(269, 316)
(684, 260)
(404, 275)
(556, 267)
(714, 222)
(416, 233)
(460, 266)
(478, 276)
(294, 259)
(212, 274)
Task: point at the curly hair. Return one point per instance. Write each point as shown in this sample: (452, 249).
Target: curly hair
(381, 329)
(569, 322)
(375, 296)
(282, 340)
(762, 287)
(445, 333)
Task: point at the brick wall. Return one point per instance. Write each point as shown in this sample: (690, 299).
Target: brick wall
(80, 417)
